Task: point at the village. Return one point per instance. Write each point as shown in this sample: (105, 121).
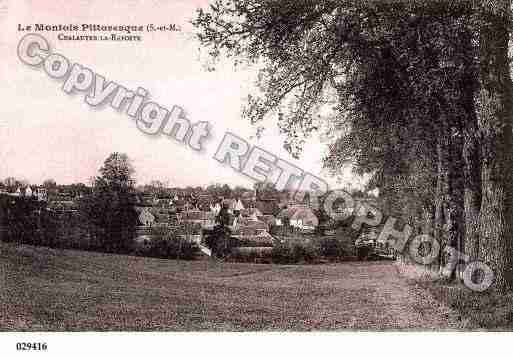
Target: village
(258, 218)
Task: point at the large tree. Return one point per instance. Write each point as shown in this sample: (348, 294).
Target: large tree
(49, 184)
(110, 206)
(495, 116)
(402, 78)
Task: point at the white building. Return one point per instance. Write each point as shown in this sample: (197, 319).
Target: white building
(216, 208)
(146, 218)
(41, 194)
(238, 206)
(299, 216)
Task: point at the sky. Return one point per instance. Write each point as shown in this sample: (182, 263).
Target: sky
(46, 133)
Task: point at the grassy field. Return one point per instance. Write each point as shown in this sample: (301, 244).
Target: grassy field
(48, 289)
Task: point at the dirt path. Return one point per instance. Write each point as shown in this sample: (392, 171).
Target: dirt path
(389, 300)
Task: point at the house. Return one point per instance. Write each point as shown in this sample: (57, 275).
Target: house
(237, 207)
(234, 205)
(285, 215)
(248, 203)
(181, 205)
(146, 218)
(62, 206)
(252, 223)
(161, 216)
(270, 220)
(251, 212)
(215, 208)
(204, 202)
(268, 207)
(369, 236)
(145, 200)
(252, 232)
(42, 194)
(248, 195)
(262, 239)
(230, 203)
(205, 218)
(232, 221)
(163, 203)
(191, 233)
(299, 216)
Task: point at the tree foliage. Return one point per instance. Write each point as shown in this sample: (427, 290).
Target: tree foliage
(414, 93)
(110, 206)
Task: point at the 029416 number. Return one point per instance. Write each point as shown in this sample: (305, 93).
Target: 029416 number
(32, 346)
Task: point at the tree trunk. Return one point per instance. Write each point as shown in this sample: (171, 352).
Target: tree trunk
(471, 155)
(472, 182)
(495, 125)
(441, 190)
(472, 195)
(455, 202)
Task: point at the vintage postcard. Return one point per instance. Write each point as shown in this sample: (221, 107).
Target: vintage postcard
(265, 166)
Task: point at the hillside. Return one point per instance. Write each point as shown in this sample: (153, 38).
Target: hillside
(47, 289)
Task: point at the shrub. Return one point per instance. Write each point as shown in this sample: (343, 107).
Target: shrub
(364, 252)
(331, 247)
(285, 230)
(68, 230)
(254, 241)
(219, 241)
(251, 254)
(173, 248)
(19, 217)
(293, 250)
(166, 243)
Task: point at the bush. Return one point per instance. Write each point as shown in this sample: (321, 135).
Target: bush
(331, 247)
(285, 230)
(364, 252)
(311, 249)
(254, 241)
(173, 248)
(166, 244)
(251, 254)
(19, 216)
(219, 241)
(68, 230)
(290, 251)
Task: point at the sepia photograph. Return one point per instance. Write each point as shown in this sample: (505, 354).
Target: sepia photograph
(256, 177)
